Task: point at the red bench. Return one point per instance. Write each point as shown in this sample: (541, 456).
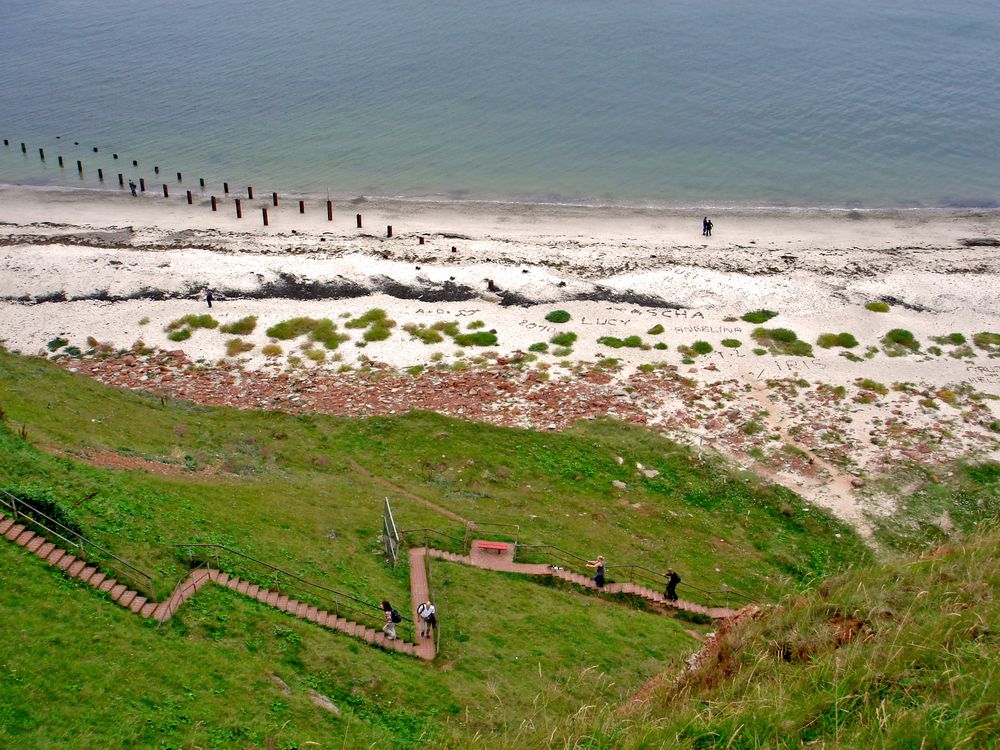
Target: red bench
(498, 547)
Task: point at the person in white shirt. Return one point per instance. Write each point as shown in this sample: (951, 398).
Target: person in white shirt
(427, 613)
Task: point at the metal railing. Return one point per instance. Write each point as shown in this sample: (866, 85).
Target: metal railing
(283, 581)
(427, 532)
(470, 526)
(25, 513)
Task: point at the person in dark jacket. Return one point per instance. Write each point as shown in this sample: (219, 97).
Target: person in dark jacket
(598, 566)
(672, 580)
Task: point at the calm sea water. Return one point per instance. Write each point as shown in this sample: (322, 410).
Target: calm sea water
(797, 102)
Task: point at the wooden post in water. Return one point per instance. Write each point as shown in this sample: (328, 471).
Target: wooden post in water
(214, 207)
(190, 200)
(165, 193)
(60, 161)
(41, 153)
(79, 166)
(115, 156)
(388, 231)
(121, 180)
(156, 169)
(225, 187)
(239, 209)
(201, 182)
(24, 148)
(421, 240)
(142, 184)
(135, 163)
(100, 174)
(264, 211)
(359, 221)
(179, 177)
(250, 192)
(302, 207)
(329, 210)
(6, 141)
(274, 198)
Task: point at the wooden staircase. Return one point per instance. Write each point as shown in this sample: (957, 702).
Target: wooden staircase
(135, 602)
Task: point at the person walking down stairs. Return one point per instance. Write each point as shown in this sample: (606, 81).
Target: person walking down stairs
(392, 617)
(598, 566)
(427, 613)
(672, 580)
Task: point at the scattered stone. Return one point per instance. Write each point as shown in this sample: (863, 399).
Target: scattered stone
(619, 484)
(323, 702)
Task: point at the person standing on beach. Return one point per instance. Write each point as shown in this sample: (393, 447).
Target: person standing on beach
(131, 186)
(672, 580)
(708, 228)
(704, 227)
(208, 298)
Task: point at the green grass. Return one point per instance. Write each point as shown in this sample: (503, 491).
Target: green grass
(237, 346)
(424, 333)
(633, 342)
(271, 350)
(956, 339)
(558, 316)
(782, 341)
(193, 322)
(479, 338)
(758, 316)
(539, 346)
(241, 327)
(732, 343)
(876, 306)
(830, 340)
(656, 330)
(321, 330)
(286, 489)
(987, 341)
(182, 334)
(373, 316)
(897, 655)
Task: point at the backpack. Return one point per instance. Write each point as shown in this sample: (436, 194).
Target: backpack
(396, 617)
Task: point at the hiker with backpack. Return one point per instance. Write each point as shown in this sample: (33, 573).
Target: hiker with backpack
(672, 580)
(598, 566)
(392, 617)
(427, 613)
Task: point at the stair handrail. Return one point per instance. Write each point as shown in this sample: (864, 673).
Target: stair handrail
(470, 525)
(425, 530)
(295, 577)
(142, 579)
(177, 598)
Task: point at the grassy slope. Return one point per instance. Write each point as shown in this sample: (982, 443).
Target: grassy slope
(920, 673)
(283, 488)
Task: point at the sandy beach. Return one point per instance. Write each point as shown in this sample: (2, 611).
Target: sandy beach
(109, 274)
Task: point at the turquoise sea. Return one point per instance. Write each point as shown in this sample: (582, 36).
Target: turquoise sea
(677, 102)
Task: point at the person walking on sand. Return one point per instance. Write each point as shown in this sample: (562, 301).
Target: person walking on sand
(131, 186)
(208, 298)
(427, 613)
(391, 618)
(704, 227)
(708, 228)
(598, 566)
(672, 580)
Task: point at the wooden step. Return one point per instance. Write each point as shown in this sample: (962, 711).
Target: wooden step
(126, 599)
(55, 555)
(243, 587)
(138, 603)
(301, 610)
(118, 590)
(233, 583)
(35, 543)
(223, 579)
(96, 580)
(281, 602)
(312, 613)
(26, 536)
(45, 550)
(86, 574)
(252, 590)
(5, 524)
(108, 585)
(14, 531)
(369, 635)
(76, 567)
(148, 609)
(291, 606)
(272, 598)
(65, 562)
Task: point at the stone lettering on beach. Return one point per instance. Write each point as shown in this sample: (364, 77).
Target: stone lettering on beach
(585, 321)
(983, 374)
(657, 313)
(536, 326)
(441, 311)
(785, 366)
(707, 329)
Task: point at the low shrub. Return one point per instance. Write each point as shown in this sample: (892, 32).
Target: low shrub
(732, 343)
(558, 316)
(479, 338)
(241, 327)
(182, 334)
(957, 339)
(758, 316)
(782, 341)
(987, 341)
(877, 306)
(325, 332)
(564, 339)
(867, 384)
(476, 325)
(899, 341)
(633, 342)
(374, 315)
(656, 330)
(423, 333)
(57, 343)
(539, 346)
(271, 350)
(702, 347)
(193, 322)
(237, 346)
(290, 329)
(830, 340)
(661, 346)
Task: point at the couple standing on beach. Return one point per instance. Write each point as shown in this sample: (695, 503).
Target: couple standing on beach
(706, 227)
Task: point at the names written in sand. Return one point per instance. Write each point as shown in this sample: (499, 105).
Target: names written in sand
(656, 313)
(981, 374)
(442, 311)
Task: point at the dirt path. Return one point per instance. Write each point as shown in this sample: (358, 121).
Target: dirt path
(406, 493)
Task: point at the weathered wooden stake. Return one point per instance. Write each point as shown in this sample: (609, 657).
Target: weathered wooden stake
(179, 177)
(359, 221)
(115, 156)
(121, 180)
(41, 153)
(250, 192)
(156, 169)
(329, 210)
(274, 197)
(24, 148)
(201, 182)
(60, 161)
(79, 166)
(95, 149)
(190, 200)
(214, 207)
(142, 184)
(302, 207)
(6, 141)
(264, 211)
(135, 163)
(100, 174)
(388, 231)
(225, 187)
(421, 240)
(239, 209)
(166, 194)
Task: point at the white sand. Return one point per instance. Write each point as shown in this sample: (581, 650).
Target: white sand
(118, 260)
